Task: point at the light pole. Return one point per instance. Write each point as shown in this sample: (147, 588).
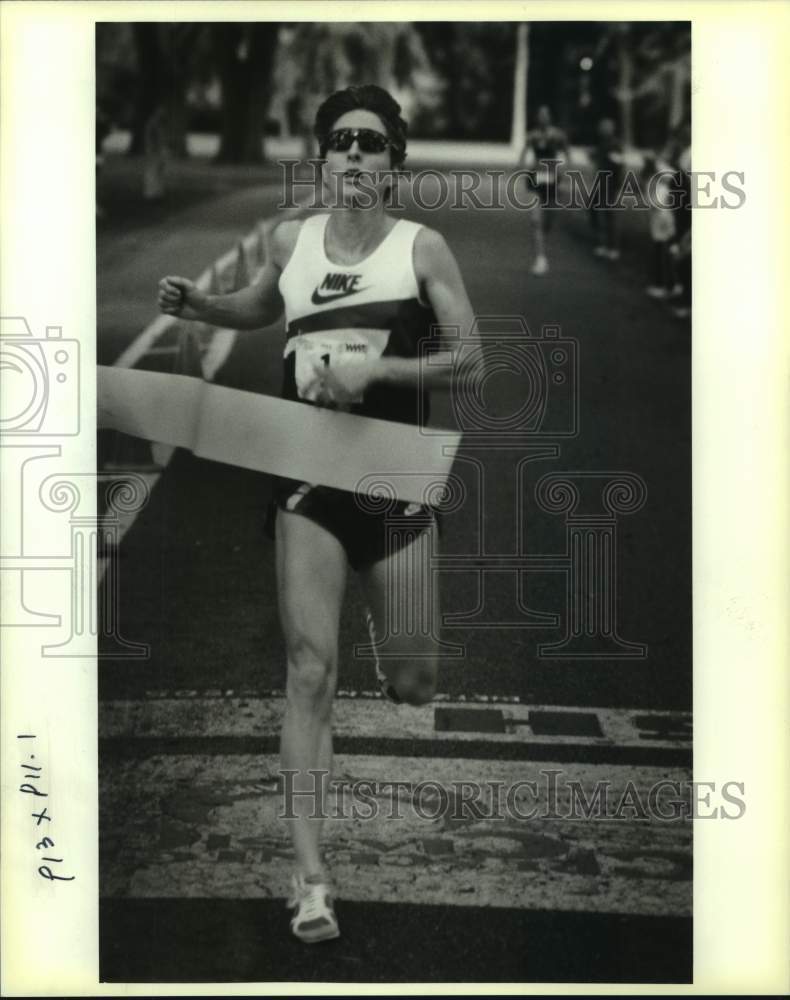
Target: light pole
(518, 128)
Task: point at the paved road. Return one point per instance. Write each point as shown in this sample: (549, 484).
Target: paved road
(189, 845)
(519, 887)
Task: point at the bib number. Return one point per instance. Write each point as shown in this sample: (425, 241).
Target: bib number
(329, 349)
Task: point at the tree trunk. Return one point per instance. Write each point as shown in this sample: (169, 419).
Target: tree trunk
(161, 75)
(178, 44)
(625, 96)
(151, 77)
(678, 98)
(245, 54)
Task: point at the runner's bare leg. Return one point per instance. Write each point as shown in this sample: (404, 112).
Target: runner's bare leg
(404, 602)
(311, 574)
(540, 231)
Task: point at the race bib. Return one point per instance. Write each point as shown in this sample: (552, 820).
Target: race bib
(328, 348)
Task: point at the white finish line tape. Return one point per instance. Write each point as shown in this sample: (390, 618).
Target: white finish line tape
(276, 436)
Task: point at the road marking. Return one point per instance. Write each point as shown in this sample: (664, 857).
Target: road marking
(206, 819)
(218, 351)
(209, 826)
(372, 718)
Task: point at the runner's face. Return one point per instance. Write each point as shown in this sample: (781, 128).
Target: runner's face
(352, 173)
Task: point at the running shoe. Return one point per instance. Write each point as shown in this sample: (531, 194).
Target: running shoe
(600, 251)
(315, 918)
(613, 254)
(656, 292)
(382, 680)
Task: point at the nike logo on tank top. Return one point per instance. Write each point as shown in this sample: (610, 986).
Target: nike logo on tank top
(348, 314)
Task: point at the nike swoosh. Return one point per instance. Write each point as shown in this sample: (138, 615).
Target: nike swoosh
(317, 298)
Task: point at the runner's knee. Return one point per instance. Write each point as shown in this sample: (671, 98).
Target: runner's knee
(311, 668)
(417, 687)
(419, 696)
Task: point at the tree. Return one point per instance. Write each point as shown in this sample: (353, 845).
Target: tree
(650, 64)
(321, 57)
(156, 60)
(477, 62)
(152, 80)
(245, 58)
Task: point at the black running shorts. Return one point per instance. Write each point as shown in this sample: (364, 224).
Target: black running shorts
(368, 528)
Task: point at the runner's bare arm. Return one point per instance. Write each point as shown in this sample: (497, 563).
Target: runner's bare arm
(250, 308)
(442, 285)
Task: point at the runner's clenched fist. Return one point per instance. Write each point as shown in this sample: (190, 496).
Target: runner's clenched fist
(181, 297)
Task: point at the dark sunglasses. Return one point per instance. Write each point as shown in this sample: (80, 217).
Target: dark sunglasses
(369, 140)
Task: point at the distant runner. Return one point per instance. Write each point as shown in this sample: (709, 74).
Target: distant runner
(548, 145)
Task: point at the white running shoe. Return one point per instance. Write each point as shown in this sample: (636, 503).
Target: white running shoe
(600, 251)
(613, 254)
(541, 265)
(315, 918)
(656, 292)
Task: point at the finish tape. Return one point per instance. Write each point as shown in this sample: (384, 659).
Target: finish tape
(277, 436)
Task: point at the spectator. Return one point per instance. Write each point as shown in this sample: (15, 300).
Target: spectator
(607, 157)
(681, 248)
(103, 129)
(662, 228)
(155, 155)
(681, 252)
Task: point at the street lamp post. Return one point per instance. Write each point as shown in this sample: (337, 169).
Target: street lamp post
(518, 128)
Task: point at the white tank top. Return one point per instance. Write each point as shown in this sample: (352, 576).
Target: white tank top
(337, 312)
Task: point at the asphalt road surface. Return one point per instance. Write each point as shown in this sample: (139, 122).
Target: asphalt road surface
(193, 861)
